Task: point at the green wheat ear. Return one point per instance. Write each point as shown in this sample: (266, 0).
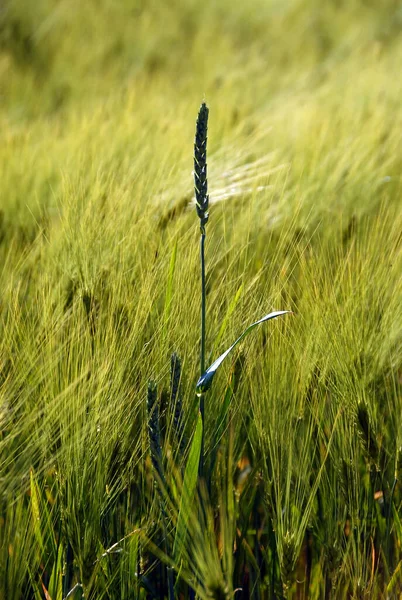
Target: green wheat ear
(154, 433)
(202, 204)
(200, 165)
(288, 561)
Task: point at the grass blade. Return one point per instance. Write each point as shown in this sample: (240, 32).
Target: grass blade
(189, 488)
(169, 288)
(205, 381)
(229, 313)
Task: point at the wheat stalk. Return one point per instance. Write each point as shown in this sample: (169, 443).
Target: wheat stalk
(202, 205)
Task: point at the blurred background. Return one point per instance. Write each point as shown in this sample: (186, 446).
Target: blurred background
(56, 55)
(80, 79)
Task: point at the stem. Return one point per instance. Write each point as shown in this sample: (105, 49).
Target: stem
(273, 548)
(389, 512)
(202, 354)
(202, 256)
(68, 578)
(169, 570)
(170, 583)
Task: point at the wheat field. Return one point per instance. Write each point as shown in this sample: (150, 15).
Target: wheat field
(299, 494)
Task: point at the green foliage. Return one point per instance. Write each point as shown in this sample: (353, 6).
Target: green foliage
(188, 490)
(100, 284)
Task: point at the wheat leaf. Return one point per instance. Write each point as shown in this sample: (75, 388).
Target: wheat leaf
(188, 491)
(205, 381)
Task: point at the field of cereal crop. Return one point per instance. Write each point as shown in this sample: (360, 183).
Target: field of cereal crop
(111, 484)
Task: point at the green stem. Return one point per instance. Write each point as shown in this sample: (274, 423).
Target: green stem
(202, 256)
(169, 570)
(202, 354)
(170, 583)
(389, 514)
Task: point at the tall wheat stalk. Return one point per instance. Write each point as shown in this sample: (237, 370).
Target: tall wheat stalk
(202, 204)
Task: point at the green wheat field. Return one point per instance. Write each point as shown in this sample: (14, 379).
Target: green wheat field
(118, 480)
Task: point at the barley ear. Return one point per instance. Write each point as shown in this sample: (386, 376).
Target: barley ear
(333, 562)
(200, 166)
(288, 562)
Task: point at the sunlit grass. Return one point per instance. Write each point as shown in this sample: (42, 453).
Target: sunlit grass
(99, 284)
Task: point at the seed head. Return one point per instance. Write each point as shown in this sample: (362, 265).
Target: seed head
(288, 559)
(200, 165)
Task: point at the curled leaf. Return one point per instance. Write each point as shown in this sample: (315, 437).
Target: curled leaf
(205, 381)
